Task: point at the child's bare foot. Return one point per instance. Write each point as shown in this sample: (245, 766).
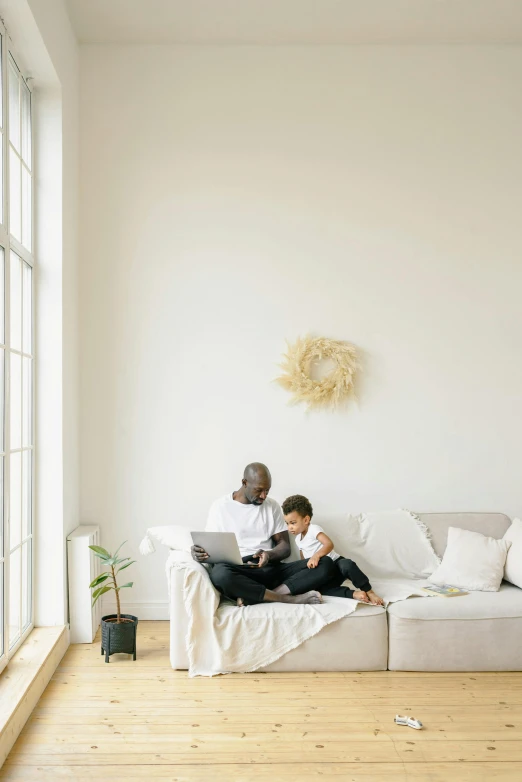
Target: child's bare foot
(360, 595)
(307, 597)
(240, 603)
(374, 599)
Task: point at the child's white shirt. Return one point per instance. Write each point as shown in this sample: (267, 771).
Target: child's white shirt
(309, 544)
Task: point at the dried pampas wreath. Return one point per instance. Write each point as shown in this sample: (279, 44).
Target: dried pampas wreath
(331, 390)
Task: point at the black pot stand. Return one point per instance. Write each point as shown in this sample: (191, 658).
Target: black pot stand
(118, 638)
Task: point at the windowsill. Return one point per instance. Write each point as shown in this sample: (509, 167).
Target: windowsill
(25, 678)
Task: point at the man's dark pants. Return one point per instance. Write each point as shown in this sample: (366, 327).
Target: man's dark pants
(250, 583)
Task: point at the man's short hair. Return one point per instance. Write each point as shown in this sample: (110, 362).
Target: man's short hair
(300, 504)
(256, 470)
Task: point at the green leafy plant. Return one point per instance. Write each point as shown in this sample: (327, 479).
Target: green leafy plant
(107, 580)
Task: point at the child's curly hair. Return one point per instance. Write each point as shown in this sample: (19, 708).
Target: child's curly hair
(300, 504)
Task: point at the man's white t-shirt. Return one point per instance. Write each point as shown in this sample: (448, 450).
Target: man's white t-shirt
(254, 525)
(309, 544)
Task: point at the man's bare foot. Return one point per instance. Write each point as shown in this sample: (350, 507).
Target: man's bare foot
(282, 590)
(360, 595)
(307, 597)
(272, 596)
(374, 599)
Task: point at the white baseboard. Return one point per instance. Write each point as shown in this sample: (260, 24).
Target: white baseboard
(153, 610)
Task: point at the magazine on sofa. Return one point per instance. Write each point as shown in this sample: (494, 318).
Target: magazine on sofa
(443, 591)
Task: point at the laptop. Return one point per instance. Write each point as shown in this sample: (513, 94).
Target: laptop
(220, 546)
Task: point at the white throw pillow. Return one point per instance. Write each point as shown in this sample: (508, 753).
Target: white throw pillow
(173, 536)
(472, 561)
(513, 569)
(388, 544)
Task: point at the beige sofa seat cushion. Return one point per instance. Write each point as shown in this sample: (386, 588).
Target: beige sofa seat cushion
(359, 642)
(481, 631)
(506, 603)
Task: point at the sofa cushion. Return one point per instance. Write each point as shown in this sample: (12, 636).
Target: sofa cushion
(174, 536)
(481, 631)
(359, 642)
(513, 569)
(494, 525)
(472, 561)
(506, 603)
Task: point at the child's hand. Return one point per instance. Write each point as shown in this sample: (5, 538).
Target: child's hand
(314, 561)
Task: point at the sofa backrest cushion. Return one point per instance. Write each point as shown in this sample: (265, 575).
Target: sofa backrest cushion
(494, 525)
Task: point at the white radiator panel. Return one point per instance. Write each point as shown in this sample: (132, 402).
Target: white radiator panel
(83, 566)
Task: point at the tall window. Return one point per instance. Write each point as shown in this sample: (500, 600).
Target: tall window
(16, 356)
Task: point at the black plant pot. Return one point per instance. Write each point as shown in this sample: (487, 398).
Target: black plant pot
(118, 638)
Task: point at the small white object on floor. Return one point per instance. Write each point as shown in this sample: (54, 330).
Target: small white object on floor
(411, 722)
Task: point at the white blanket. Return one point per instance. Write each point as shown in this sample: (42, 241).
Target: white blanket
(393, 549)
(222, 638)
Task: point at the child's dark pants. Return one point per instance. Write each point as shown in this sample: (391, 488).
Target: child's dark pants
(346, 568)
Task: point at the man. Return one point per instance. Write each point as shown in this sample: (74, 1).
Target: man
(263, 541)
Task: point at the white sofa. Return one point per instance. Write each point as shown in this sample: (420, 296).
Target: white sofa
(479, 632)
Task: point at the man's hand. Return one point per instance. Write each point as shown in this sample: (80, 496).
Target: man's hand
(263, 558)
(199, 554)
(314, 561)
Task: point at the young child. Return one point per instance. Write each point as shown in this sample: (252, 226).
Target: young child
(314, 543)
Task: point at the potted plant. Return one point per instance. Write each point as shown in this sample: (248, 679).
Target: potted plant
(118, 631)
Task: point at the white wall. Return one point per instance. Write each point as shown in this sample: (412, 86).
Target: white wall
(232, 198)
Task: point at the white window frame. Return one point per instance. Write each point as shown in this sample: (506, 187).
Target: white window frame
(10, 244)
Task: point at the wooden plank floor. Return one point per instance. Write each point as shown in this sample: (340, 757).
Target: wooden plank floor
(142, 720)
